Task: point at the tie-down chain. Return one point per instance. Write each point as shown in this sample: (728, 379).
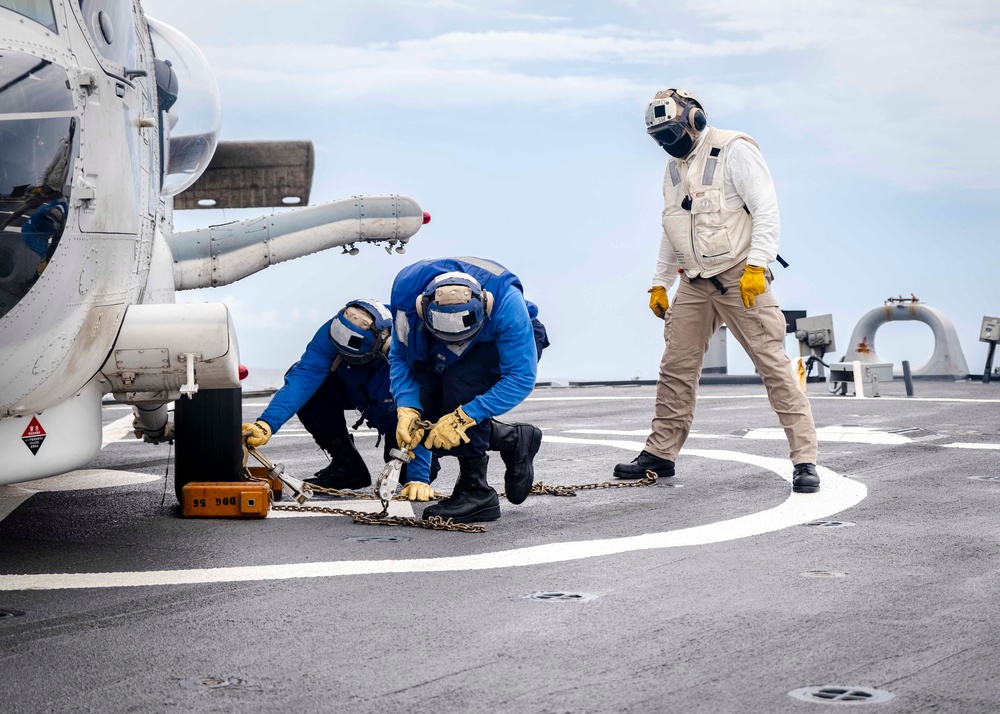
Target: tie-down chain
(436, 522)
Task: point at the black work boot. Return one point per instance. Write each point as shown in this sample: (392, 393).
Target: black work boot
(805, 479)
(346, 470)
(473, 499)
(645, 461)
(517, 444)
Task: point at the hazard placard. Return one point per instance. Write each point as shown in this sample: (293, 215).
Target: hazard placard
(34, 435)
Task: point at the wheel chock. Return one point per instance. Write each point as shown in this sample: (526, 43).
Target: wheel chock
(226, 499)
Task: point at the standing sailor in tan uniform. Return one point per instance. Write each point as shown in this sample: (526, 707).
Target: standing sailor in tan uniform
(720, 232)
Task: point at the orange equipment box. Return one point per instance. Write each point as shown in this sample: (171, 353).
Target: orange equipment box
(226, 499)
(262, 474)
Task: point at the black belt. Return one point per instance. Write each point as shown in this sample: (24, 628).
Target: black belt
(714, 280)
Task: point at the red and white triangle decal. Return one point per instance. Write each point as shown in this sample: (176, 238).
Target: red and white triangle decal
(34, 435)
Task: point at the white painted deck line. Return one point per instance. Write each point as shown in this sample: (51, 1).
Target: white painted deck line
(849, 434)
(396, 508)
(837, 494)
(635, 432)
(911, 399)
(707, 397)
(84, 479)
(119, 428)
(300, 431)
(12, 496)
(969, 445)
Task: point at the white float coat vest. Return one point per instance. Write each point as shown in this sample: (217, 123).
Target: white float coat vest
(711, 237)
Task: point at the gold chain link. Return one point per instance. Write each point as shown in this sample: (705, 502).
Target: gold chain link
(438, 523)
(359, 496)
(543, 489)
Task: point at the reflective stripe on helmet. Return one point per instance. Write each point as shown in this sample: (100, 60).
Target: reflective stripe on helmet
(359, 330)
(453, 321)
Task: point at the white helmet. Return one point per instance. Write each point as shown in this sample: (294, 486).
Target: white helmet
(454, 306)
(360, 331)
(671, 112)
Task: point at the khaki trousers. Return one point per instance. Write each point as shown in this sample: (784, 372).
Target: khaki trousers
(698, 310)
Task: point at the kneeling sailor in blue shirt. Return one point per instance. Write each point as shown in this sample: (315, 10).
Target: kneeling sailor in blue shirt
(465, 348)
(345, 366)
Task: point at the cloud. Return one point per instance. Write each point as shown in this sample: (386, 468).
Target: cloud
(469, 68)
(888, 88)
(247, 316)
(481, 9)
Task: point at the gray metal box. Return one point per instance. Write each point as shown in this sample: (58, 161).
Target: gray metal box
(815, 332)
(844, 371)
(991, 330)
(871, 374)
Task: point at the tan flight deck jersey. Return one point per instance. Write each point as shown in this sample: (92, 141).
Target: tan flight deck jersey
(720, 213)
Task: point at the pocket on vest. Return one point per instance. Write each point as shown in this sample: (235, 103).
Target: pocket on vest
(711, 237)
(712, 242)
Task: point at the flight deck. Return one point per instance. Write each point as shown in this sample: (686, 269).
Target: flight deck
(718, 590)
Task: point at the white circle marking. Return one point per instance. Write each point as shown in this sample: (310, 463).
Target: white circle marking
(837, 494)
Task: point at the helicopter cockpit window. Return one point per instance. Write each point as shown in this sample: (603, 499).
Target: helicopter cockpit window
(192, 111)
(112, 28)
(38, 10)
(38, 143)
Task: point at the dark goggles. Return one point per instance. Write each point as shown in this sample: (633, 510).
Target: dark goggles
(670, 133)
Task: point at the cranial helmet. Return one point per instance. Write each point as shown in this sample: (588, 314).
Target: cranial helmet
(670, 113)
(360, 331)
(454, 307)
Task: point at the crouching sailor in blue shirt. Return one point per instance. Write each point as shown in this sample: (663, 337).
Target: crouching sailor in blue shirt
(345, 366)
(465, 348)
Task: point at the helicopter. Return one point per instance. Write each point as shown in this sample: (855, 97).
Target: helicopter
(109, 122)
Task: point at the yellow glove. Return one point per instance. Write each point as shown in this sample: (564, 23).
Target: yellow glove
(752, 284)
(658, 300)
(408, 433)
(417, 491)
(256, 434)
(450, 430)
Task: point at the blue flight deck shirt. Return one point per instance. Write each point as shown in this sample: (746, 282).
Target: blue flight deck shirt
(509, 325)
(367, 386)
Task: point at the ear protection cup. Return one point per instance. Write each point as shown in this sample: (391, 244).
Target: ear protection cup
(487, 302)
(697, 119)
(383, 340)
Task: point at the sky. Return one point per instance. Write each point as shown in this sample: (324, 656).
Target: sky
(519, 127)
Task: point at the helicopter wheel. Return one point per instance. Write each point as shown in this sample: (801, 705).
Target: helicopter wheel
(207, 441)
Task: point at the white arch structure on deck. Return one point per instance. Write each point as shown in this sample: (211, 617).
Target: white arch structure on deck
(947, 360)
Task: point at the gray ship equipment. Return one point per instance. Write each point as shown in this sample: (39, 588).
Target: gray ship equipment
(815, 336)
(990, 333)
(946, 362)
